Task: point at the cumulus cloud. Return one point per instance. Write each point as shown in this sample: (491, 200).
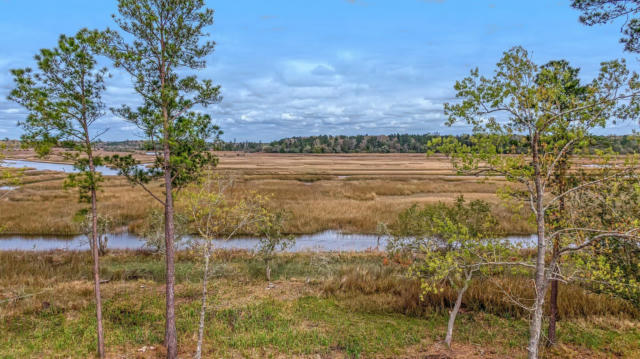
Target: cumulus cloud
(388, 68)
(345, 93)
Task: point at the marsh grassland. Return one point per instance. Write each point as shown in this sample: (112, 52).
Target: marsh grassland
(320, 306)
(351, 192)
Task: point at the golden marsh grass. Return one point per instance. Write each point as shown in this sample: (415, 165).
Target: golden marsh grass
(347, 192)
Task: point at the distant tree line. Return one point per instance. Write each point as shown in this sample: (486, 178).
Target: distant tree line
(403, 143)
(394, 143)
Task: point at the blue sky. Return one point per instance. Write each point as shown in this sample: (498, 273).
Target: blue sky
(306, 67)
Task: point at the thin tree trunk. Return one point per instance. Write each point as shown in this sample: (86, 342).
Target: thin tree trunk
(94, 226)
(454, 312)
(535, 327)
(171, 339)
(205, 280)
(268, 271)
(553, 303)
(96, 273)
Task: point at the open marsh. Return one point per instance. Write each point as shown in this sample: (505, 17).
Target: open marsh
(343, 192)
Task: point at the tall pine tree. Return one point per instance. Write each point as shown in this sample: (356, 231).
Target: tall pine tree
(168, 42)
(64, 99)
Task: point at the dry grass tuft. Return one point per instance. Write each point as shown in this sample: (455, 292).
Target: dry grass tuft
(386, 288)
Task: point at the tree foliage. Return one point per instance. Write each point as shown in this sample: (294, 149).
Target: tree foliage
(271, 236)
(164, 43)
(553, 120)
(393, 143)
(64, 100)
(168, 44)
(607, 11)
(606, 263)
(451, 244)
(215, 212)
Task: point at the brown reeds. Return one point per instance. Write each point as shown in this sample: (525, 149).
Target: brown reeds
(352, 193)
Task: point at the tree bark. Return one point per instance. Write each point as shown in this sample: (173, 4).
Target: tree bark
(96, 266)
(454, 312)
(535, 327)
(268, 270)
(205, 280)
(553, 312)
(553, 301)
(170, 336)
(171, 339)
(94, 227)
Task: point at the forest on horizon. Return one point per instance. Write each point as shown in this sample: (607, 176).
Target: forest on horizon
(393, 143)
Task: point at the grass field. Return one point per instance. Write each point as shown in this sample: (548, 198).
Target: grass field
(352, 193)
(321, 306)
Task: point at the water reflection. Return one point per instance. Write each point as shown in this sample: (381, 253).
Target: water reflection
(58, 167)
(328, 241)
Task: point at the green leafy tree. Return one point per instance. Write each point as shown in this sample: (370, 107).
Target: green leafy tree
(452, 244)
(168, 41)
(517, 101)
(604, 262)
(271, 236)
(64, 100)
(606, 11)
(561, 74)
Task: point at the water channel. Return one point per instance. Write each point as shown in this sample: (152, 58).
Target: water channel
(57, 167)
(328, 241)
